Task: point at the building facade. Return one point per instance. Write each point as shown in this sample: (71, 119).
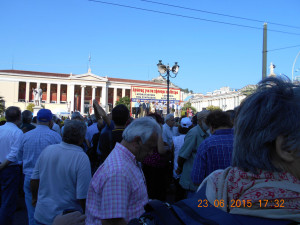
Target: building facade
(225, 98)
(66, 92)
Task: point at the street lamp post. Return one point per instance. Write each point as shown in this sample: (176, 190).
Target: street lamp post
(162, 69)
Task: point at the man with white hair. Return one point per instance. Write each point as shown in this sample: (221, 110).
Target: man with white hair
(169, 130)
(118, 192)
(61, 176)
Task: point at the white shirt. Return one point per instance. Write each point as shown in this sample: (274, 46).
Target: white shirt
(64, 172)
(178, 142)
(168, 133)
(10, 142)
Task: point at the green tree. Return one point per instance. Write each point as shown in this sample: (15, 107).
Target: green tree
(248, 90)
(186, 106)
(30, 107)
(2, 105)
(212, 108)
(125, 101)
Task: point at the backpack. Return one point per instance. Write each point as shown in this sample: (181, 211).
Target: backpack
(187, 212)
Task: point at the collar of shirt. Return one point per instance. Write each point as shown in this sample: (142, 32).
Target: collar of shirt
(202, 133)
(39, 126)
(131, 157)
(167, 126)
(10, 124)
(126, 152)
(223, 131)
(71, 146)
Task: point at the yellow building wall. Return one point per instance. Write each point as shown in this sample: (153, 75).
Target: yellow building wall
(9, 92)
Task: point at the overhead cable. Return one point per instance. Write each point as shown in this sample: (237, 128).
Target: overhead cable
(190, 17)
(220, 14)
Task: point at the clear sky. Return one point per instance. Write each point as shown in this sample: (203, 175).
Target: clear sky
(58, 36)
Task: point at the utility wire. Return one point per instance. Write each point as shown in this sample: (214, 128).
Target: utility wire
(190, 17)
(219, 14)
(283, 48)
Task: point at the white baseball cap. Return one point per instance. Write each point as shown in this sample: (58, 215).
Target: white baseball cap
(186, 122)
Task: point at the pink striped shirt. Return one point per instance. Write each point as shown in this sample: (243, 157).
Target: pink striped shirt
(117, 189)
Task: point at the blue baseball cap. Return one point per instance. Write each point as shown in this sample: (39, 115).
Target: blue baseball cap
(44, 115)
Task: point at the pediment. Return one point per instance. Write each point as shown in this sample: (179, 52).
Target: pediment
(89, 77)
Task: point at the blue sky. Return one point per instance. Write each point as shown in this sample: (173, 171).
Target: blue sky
(58, 35)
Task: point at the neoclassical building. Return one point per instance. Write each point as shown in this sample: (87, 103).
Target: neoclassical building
(66, 92)
(225, 98)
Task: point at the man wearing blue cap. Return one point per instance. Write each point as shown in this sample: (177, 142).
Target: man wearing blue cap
(33, 144)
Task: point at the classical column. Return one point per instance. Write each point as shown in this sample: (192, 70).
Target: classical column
(48, 92)
(93, 96)
(71, 96)
(115, 96)
(27, 92)
(82, 100)
(93, 92)
(104, 97)
(123, 92)
(58, 94)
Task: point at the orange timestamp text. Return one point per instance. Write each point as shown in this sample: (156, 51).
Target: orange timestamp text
(237, 203)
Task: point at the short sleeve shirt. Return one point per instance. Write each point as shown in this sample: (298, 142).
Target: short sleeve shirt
(188, 151)
(117, 189)
(64, 172)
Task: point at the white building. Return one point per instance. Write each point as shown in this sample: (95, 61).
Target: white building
(225, 98)
(67, 92)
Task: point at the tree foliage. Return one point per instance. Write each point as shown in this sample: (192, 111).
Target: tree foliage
(248, 90)
(212, 108)
(186, 90)
(2, 105)
(30, 107)
(125, 101)
(186, 106)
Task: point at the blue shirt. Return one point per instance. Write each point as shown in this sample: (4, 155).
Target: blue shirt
(10, 141)
(136, 104)
(213, 153)
(91, 130)
(33, 144)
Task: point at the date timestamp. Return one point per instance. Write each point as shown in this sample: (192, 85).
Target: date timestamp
(237, 203)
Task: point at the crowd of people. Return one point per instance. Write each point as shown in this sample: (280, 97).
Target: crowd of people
(141, 109)
(104, 170)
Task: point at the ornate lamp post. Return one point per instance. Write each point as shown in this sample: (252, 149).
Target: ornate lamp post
(162, 69)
